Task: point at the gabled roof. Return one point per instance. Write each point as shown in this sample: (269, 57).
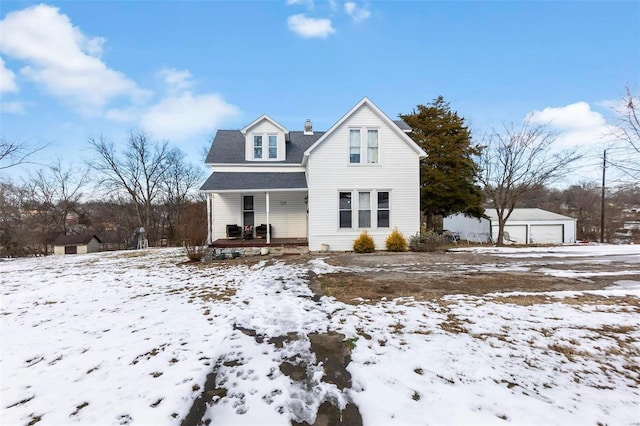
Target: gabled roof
(246, 181)
(528, 214)
(259, 119)
(70, 240)
(393, 125)
(228, 147)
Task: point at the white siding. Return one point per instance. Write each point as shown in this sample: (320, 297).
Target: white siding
(467, 227)
(531, 231)
(517, 233)
(546, 234)
(287, 213)
(329, 172)
(226, 211)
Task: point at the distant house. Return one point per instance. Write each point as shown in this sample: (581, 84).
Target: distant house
(524, 226)
(77, 244)
(323, 188)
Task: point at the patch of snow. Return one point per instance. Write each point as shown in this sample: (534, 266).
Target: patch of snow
(131, 337)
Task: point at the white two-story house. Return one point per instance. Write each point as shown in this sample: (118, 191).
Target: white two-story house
(323, 188)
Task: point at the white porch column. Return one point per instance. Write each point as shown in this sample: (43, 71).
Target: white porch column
(209, 219)
(268, 224)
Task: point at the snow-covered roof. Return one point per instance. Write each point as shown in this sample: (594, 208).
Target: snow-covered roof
(528, 215)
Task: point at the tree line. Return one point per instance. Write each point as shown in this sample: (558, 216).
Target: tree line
(505, 168)
(146, 184)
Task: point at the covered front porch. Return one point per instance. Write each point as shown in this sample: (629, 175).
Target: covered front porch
(256, 209)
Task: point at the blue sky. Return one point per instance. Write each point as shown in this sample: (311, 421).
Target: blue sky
(182, 69)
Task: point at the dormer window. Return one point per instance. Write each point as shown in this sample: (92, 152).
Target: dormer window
(273, 147)
(257, 146)
(265, 140)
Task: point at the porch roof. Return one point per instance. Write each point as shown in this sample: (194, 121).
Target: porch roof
(259, 181)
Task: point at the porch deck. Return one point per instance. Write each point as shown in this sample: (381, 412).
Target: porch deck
(259, 242)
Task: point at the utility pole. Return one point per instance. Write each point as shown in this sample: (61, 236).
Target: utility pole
(604, 168)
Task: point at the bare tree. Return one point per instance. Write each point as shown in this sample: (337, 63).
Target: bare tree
(180, 181)
(627, 131)
(68, 184)
(13, 152)
(138, 171)
(515, 162)
(39, 207)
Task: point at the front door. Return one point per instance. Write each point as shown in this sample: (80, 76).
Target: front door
(247, 210)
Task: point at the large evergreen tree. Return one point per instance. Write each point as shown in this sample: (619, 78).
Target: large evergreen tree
(448, 174)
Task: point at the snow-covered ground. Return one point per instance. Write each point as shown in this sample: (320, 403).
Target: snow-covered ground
(130, 337)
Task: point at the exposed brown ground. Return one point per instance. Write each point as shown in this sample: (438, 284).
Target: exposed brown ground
(429, 276)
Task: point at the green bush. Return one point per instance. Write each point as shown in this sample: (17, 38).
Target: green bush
(364, 243)
(396, 241)
(426, 242)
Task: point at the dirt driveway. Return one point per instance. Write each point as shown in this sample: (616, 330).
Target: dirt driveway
(427, 276)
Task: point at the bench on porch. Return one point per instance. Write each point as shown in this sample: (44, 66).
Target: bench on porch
(261, 231)
(234, 231)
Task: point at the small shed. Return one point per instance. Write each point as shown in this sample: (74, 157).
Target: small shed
(77, 244)
(524, 226)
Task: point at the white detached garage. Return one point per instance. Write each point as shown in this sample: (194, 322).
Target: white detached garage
(524, 226)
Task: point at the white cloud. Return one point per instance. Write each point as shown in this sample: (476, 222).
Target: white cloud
(358, 14)
(308, 3)
(62, 59)
(575, 124)
(176, 80)
(179, 117)
(310, 27)
(124, 115)
(7, 79)
(12, 107)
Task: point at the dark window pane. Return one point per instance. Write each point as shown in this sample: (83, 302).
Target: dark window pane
(383, 218)
(248, 202)
(345, 201)
(345, 219)
(273, 153)
(383, 200)
(248, 218)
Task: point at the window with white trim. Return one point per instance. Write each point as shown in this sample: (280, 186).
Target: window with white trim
(372, 146)
(273, 146)
(257, 146)
(364, 210)
(370, 205)
(363, 153)
(383, 209)
(345, 209)
(354, 146)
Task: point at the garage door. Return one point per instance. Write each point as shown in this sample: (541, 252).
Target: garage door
(70, 249)
(546, 234)
(517, 233)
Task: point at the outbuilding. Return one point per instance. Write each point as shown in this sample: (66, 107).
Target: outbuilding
(524, 226)
(77, 244)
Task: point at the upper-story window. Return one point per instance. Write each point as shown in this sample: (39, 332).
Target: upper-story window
(257, 146)
(273, 146)
(363, 153)
(354, 146)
